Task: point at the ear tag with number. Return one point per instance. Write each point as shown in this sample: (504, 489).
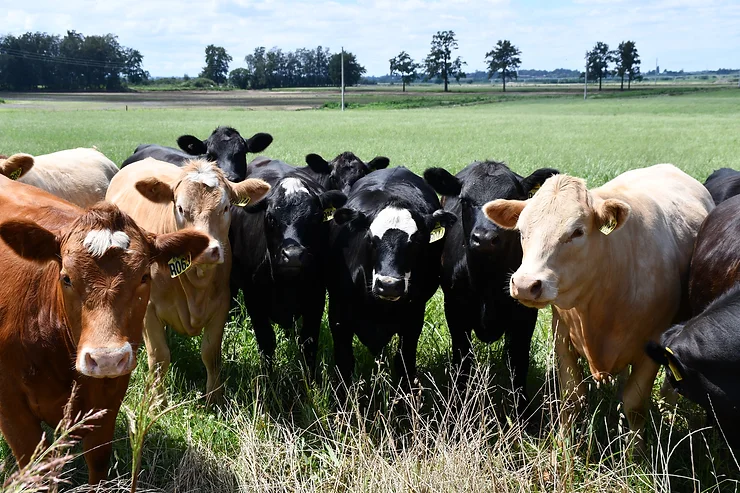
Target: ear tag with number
(243, 202)
(437, 233)
(178, 265)
(329, 213)
(673, 367)
(609, 226)
(15, 174)
(533, 191)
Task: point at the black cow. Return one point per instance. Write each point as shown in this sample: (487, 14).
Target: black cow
(723, 184)
(225, 146)
(702, 358)
(343, 171)
(279, 247)
(478, 260)
(383, 267)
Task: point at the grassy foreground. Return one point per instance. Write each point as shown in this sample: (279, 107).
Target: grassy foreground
(278, 433)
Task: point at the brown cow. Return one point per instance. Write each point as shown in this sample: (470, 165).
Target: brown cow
(613, 262)
(72, 302)
(164, 198)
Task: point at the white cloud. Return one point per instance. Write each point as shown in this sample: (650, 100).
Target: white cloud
(172, 34)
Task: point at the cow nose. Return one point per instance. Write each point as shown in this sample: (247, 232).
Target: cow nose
(214, 254)
(389, 288)
(292, 256)
(483, 239)
(526, 289)
(106, 362)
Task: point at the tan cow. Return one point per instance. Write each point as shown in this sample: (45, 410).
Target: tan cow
(162, 198)
(80, 176)
(613, 262)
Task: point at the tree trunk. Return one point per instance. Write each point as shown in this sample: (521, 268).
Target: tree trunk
(599, 82)
(504, 79)
(445, 79)
(621, 87)
(403, 83)
(629, 82)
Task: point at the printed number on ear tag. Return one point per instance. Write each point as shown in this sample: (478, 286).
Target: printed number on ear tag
(437, 233)
(533, 191)
(178, 265)
(329, 213)
(15, 174)
(243, 202)
(608, 227)
(672, 366)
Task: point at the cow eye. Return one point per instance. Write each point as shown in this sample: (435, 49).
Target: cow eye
(576, 234)
(66, 281)
(226, 209)
(145, 278)
(179, 209)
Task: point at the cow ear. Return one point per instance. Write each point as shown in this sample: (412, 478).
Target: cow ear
(184, 243)
(443, 182)
(248, 191)
(443, 217)
(258, 142)
(31, 241)
(666, 357)
(378, 162)
(332, 198)
(611, 215)
(192, 145)
(318, 164)
(533, 182)
(155, 190)
(504, 213)
(353, 219)
(656, 352)
(16, 165)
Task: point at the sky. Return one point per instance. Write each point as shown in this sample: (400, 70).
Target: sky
(172, 34)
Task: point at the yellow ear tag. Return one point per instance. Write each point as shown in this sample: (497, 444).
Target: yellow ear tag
(608, 227)
(329, 213)
(15, 174)
(178, 265)
(533, 191)
(673, 367)
(243, 202)
(437, 233)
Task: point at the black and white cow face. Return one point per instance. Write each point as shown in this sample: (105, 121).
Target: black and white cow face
(344, 170)
(228, 148)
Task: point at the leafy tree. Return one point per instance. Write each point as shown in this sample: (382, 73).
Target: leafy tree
(503, 60)
(439, 62)
(352, 69)
(257, 68)
(628, 63)
(135, 74)
(217, 64)
(598, 60)
(404, 66)
(239, 77)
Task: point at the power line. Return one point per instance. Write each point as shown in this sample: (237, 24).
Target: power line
(39, 57)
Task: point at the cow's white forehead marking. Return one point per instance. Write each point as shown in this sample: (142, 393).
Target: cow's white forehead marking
(393, 218)
(293, 185)
(98, 241)
(205, 175)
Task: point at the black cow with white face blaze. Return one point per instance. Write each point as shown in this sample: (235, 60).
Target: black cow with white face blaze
(383, 267)
(478, 260)
(279, 247)
(343, 171)
(225, 146)
(723, 184)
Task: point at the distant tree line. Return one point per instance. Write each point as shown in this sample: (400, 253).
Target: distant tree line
(74, 62)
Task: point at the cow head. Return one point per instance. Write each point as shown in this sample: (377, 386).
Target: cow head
(227, 148)
(201, 199)
(103, 279)
(398, 237)
(16, 165)
(294, 216)
(344, 170)
(563, 228)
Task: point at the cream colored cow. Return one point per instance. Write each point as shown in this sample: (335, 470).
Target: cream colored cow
(613, 263)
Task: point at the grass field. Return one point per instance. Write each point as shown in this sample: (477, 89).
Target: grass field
(277, 433)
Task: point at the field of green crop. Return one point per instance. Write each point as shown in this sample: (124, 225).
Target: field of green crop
(276, 432)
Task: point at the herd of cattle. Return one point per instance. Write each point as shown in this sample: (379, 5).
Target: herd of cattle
(95, 259)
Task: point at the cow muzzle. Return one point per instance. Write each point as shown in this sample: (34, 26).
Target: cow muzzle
(292, 257)
(530, 290)
(106, 362)
(389, 288)
(483, 240)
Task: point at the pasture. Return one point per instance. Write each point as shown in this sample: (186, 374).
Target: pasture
(278, 433)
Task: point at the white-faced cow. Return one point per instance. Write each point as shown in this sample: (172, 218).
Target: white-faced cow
(75, 289)
(191, 295)
(343, 171)
(477, 262)
(280, 247)
(385, 255)
(225, 146)
(613, 262)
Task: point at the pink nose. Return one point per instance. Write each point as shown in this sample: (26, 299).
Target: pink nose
(214, 253)
(526, 289)
(106, 362)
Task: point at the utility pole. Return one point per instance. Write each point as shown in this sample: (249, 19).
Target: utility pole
(342, 61)
(585, 80)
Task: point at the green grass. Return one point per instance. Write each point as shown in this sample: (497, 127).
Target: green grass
(277, 432)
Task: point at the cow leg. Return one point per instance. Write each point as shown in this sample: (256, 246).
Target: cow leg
(570, 376)
(462, 350)
(157, 350)
(264, 334)
(405, 360)
(21, 429)
(518, 342)
(97, 446)
(636, 397)
(210, 354)
(309, 337)
(344, 357)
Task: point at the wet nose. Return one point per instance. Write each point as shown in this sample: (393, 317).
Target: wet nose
(483, 239)
(292, 256)
(106, 362)
(214, 254)
(526, 288)
(390, 288)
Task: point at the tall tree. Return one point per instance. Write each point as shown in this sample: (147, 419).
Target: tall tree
(352, 69)
(598, 60)
(134, 72)
(628, 62)
(239, 77)
(439, 62)
(217, 64)
(404, 66)
(503, 60)
(257, 68)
